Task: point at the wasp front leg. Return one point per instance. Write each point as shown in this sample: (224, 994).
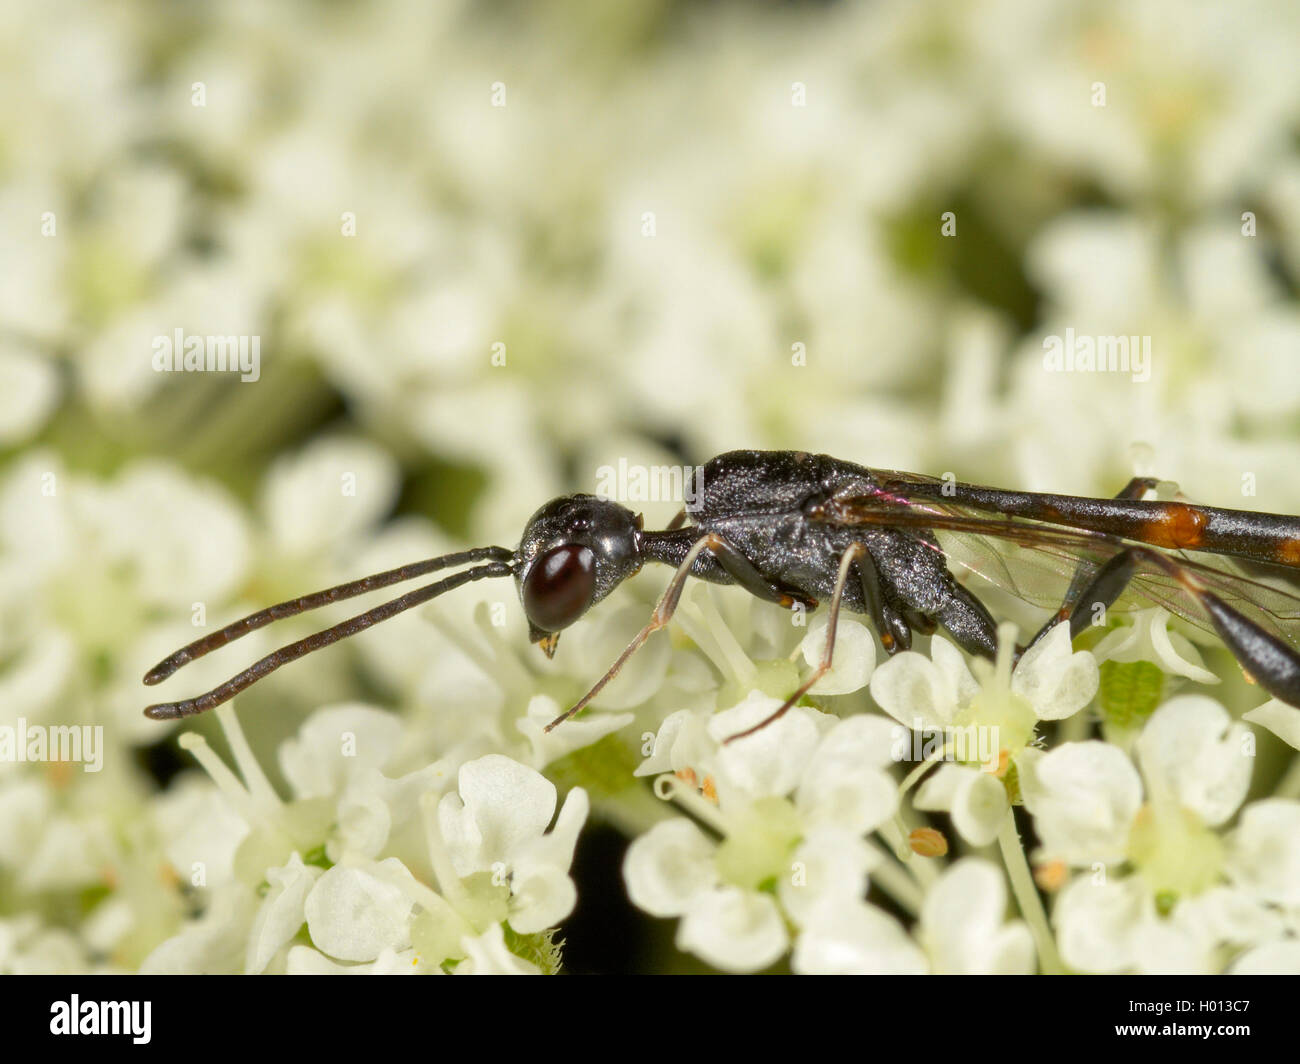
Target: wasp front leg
(744, 573)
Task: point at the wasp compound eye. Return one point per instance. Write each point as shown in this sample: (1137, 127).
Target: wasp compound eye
(559, 587)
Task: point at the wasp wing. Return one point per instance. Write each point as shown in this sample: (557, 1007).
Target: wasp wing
(1036, 561)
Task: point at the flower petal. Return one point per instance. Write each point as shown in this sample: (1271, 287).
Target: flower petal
(1056, 681)
(668, 866)
(734, 930)
(1275, 958)
(502, 805)
(487, 954)
(915, 691)
(549, 747)
(1264, 851)
(1279, 718)
(1097, 924)
(979, 807)
(354, 913)
(771, 760)
(962, 924)
(281, 913)
(853, 661)
(1192, 750)
(856, 940)
(1083, 797)
(334, 744)
(829, 868)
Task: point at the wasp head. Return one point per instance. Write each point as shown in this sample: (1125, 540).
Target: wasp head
(574, 551)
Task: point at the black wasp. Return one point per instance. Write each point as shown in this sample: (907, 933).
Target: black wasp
(796, 528)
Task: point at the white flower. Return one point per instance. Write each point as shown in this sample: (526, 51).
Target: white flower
(29, 947)
(963, 928)
(548, 747)
(1172, 910)
(977, 801)
(98, 568)
(29, 391)
(793, 804)
(339, 860)
(281, 913)
(1194, 755)
(1149, 638)
(993, 719)
(853, 661)
(303, 960)
(486, 954)
(1050, 681)
(856, 939)
(355, 912)
(1264, 852)
(1084, 797)
(961, 931)
(215, 943)
(1276, 958)
(327, 495)
(498, 824)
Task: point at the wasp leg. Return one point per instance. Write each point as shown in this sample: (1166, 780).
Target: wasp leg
(742, 570)
(1104, 588)
(1134, 489)
(1137, 487)
(854, 552)
(893, 629)
(919, 622)
(663, 613)
(969, 622)
(1272, 663)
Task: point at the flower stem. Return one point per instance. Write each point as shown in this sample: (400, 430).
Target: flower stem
(892, 878)
(1027, 899)
(910, 780)
(669, 788)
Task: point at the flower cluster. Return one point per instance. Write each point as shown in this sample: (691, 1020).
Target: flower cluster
(484, 250)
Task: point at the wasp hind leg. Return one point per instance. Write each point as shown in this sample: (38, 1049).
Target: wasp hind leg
(1080, 586)
(969, 622)
(1268, 660)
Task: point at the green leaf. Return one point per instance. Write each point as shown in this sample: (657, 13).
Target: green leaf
(602, 769)
(1129, 692)
(541, 949)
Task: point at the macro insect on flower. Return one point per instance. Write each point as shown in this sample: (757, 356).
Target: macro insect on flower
(795, 528)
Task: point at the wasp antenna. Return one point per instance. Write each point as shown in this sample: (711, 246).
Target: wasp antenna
(226, 691)
(292, 607)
